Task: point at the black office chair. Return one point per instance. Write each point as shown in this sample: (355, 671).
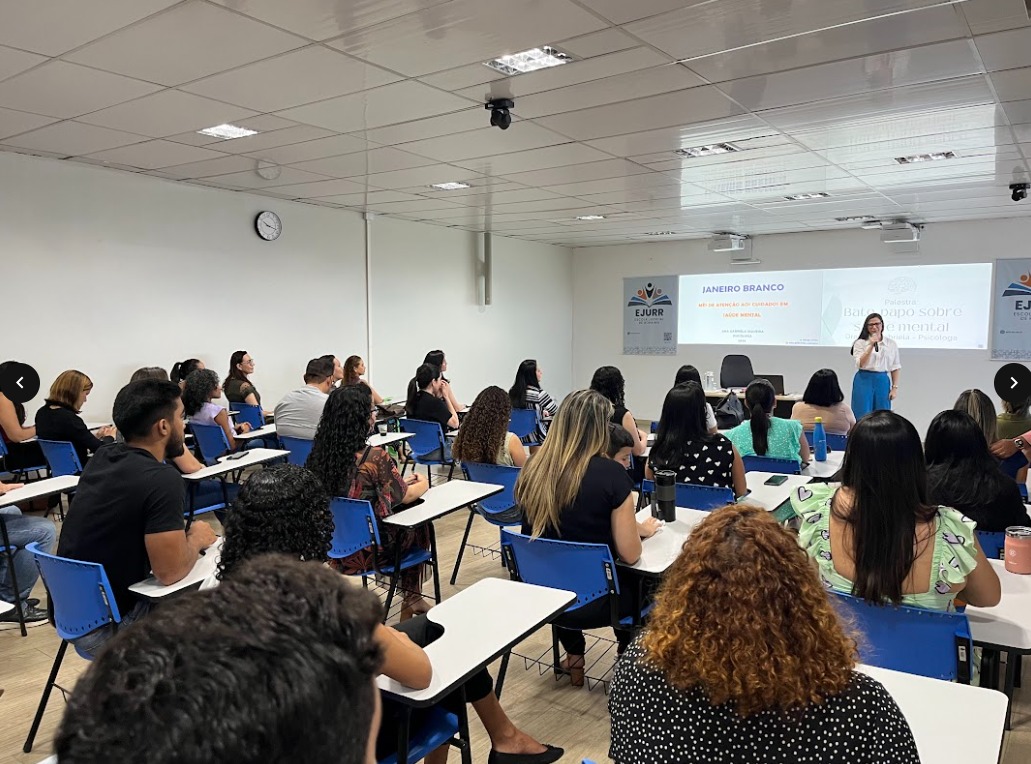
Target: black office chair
(736, 371)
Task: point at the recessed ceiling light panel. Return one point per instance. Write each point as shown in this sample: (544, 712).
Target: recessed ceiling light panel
(660, 233)
(451, 185)
(590, 217)
(932, 157)
(529, 60)
(227, 132)
(803, 197)
(707, 151)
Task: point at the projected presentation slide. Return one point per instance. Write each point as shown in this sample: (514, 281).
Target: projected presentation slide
(924, 306)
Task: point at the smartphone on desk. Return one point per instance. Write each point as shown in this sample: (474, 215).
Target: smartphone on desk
(776, 480)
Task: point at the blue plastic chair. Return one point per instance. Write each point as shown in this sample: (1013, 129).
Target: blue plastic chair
(523, 424)
(81, 600)
(439, 728)
(299, 449)
(211, 440)
(61, 457)
(493, 508)
(249, 413)
(694, 496)
(588, 570)
(769, 464)
(929, 643)
(355, 528)
(993, 543)
(428, 437)
(654, 427)
(20, 474)
(835, 441)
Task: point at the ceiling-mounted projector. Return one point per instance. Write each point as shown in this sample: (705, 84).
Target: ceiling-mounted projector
(727, 242)
(899, 232)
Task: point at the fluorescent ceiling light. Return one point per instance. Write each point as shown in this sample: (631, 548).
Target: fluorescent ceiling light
(749, 261)
(932, 157)
(529, 60)
(803, 197)
(708, 151)
(451, 185)
(660, 233)
(855, 219)
(590, 217)
(227, 132)
(871, 225)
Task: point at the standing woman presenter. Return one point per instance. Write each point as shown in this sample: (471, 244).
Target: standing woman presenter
(876, 383)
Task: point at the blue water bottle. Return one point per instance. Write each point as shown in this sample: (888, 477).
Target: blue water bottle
(820, 440)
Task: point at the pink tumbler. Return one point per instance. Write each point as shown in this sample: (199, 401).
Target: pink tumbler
(1018, 549)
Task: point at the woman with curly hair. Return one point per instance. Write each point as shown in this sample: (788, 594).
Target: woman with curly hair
(744, 659)
(200, 390)
(348, 466)
(526, 393)
(484, 437)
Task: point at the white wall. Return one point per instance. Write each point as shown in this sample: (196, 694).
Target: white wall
(931, 379)
(106, 271)
(426, 295)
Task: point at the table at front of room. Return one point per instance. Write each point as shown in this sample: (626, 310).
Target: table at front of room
(781, 409)
(481, 623)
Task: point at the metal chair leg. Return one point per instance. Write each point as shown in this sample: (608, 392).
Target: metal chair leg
(9, 553)
(51, 682)
(461, 548)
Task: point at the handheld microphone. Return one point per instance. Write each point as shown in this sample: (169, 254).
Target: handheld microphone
(877, 347)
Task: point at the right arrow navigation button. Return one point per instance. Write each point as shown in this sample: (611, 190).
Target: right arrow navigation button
(1013, 382)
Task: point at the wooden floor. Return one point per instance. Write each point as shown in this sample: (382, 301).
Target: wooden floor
(554, 712)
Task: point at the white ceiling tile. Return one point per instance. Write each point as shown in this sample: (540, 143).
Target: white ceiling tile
(167, 113)
(705, 28)
(533, 159)
(360, 199)
(942, 61)
(385, 105)
(593, 188)
(288, 178)
(322, 19)
(154, 155)
(73, 139)
(53, 27)
(258, 144)
(540, 205)
(13, 61)
(222, 166)
(491, 195)
(420, 177)
(312, 74)
(14, 122)
(364, 163)
(851, 41)
(478, 186)
(671, 109)
(59, 89)
(1005, 50)
(622, 11)
(463, 77)
(421, 205)
(593, 70)
(986, 16)
(598, 43)
(759, 147)
(334, 145)
(621, 87)
(317, 186)
(1018, 111)
(736, 129)
(445, 124)
(1012, 84)
(609, 168)
(486, 142)
(192, 40)
(466, 31)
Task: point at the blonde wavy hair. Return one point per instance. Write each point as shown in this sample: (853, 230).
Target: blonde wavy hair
(551, 479)
(742, 615)
(67, 388)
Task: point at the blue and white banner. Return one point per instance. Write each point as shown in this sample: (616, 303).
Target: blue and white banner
(1011, 330)
(650, 306)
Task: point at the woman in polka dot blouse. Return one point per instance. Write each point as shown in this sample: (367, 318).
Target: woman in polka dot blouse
(744, 660)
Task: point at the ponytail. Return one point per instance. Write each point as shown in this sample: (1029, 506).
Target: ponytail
(424, 375)
(760, 398)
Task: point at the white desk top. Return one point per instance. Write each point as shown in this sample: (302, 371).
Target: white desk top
(975, 740)
(386, 438)
(269, 429)
(97, 425)
(225, 464)
(442, 499)
(827, 469)
(39, 488)
(659, 551)
(150, 589)
(771, 496)
(1008, 624)
(480, 623)
(741, 394)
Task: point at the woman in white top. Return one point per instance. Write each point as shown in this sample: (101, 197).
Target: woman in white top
(876, 383)
(200, 390)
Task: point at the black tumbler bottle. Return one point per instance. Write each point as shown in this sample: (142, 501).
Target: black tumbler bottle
(666, 495)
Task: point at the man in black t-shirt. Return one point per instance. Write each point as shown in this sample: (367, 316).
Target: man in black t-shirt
(128, 508)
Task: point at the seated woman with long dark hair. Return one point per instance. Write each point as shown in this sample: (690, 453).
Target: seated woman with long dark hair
(526, 393)
(285, 509)
(349, 467)
(981, 409)
(880, 537)
(764, 434)
(685, 445)
(963, 474)
(789, 694)
(608, 380)
(353, 369)
(688, 373)
(823, 398)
